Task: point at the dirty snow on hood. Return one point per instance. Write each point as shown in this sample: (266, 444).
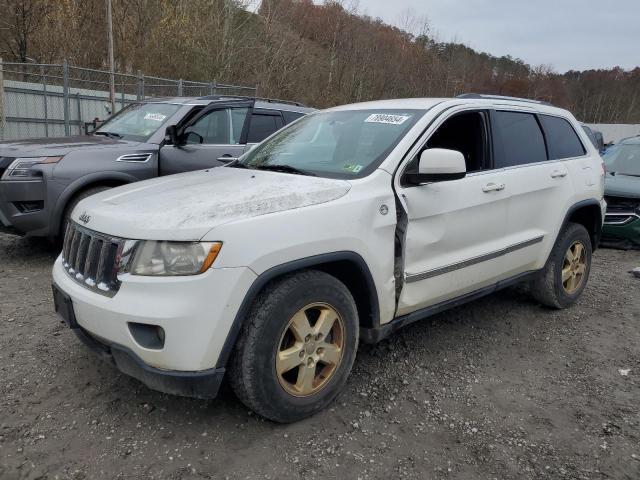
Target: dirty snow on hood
(192, 203)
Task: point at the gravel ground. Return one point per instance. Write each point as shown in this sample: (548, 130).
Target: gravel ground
(500, 388)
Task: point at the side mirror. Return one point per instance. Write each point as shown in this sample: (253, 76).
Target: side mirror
(171, 135)
(438, 165)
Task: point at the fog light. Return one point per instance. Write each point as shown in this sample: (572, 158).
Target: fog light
(147, 336)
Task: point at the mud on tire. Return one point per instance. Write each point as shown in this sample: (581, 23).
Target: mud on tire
(301, 325)
(561, 282)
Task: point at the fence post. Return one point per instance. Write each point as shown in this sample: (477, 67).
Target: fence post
(80, 123)
(180, 87)
(65, 97)
(44, 96)
(3, 117)
(122, 94)
(140, 86)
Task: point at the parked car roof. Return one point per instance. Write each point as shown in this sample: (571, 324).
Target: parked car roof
(260, 102)
(427, 103)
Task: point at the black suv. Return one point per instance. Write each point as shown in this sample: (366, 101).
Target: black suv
(41, 180)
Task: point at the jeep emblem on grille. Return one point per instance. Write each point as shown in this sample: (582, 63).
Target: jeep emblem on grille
(84, 218)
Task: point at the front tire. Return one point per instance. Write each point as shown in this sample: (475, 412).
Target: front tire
(66, 217)
(297, 347)
(566, 273)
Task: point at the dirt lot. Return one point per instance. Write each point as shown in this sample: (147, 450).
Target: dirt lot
(500, 388)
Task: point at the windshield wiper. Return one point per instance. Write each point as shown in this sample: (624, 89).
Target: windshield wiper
(237, 164)
(109, 134)
(285, 169)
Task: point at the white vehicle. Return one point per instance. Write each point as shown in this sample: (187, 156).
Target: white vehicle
(343, 227)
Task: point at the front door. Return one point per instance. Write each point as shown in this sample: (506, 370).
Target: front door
(454, 240)
(214, 136)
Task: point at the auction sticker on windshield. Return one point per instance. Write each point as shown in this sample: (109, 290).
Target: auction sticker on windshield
(157, 117)
(387, 118)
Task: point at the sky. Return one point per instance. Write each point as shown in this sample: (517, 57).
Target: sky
(566, 34)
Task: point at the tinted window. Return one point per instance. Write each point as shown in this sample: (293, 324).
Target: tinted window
(262, 126)
(291, 116)
(562, 140)
(518, 139)
(214, 128)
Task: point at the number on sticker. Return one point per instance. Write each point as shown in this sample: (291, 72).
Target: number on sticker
(387, 118)
(157, 117)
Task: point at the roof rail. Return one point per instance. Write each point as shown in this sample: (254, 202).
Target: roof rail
(270, 100)
(502, 97)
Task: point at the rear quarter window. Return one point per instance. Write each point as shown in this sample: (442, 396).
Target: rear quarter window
(291, 116)
(518, 139)
(562, 139)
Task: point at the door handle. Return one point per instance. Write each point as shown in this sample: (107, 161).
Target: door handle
(558, 174)
(493, 187)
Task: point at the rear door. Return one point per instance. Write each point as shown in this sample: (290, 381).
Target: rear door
(211, 138)
(538, 185)
(263, 123)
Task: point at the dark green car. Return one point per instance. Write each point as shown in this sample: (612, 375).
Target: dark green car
(622, 193)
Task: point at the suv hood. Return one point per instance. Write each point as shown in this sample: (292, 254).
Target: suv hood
(186, 206)
(49, 147)
(622, 186)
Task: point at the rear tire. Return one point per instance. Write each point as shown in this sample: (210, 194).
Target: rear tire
(565, 276)
(297, 347)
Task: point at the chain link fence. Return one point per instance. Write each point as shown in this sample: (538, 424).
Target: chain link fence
(54, 100)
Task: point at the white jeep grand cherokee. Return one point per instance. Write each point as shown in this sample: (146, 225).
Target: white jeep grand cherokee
(343, 227)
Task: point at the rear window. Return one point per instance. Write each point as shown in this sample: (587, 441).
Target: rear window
(518, 139)
(562, 140)
(262, 126)
(291, 116)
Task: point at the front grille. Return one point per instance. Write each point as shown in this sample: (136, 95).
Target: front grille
(620, 204)
(92, 258)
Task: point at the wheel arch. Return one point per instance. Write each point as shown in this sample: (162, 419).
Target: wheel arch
(587, 213)
(348, 267)
(110, 179)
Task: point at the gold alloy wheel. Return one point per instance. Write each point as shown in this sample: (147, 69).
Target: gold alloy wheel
(574, 267)
(310, 350)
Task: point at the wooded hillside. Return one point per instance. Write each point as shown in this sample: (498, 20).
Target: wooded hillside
(318, 54)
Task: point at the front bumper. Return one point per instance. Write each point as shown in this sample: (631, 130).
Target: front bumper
(204, 384)
(196, 314)
(33, 221)
(626, 236)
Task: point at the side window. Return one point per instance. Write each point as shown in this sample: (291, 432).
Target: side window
(291, 116)
(238, 116)
(214, 128)
(518, 139)
(562, 140)
(466, 133)
(262, 126)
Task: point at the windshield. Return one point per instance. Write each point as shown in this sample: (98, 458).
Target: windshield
(138, 121)
(341, 144)
(623, 159)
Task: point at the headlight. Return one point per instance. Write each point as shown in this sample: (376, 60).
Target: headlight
(163, 258)
(20, 168)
